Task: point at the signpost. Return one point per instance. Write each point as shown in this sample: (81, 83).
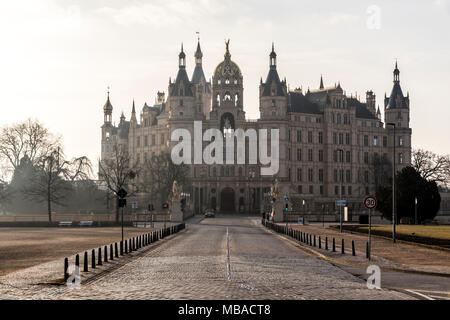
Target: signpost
(370, 203)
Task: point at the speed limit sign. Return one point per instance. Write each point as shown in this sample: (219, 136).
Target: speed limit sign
(370, 202)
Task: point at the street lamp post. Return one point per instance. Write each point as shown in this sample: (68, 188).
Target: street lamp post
(393, 184)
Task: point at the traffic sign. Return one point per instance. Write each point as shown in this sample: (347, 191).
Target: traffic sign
(341, 203)
(370, 202)
(287, 199)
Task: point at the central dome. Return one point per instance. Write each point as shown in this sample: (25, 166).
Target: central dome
(227, 68)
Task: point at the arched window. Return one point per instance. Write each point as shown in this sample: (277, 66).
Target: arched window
(218, 100)
(214, 172)
(236, 99)
(219, 82)
(227, 96)
(227, 81)
(235, 81)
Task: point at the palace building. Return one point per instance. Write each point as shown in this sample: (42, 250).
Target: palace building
(332, 146)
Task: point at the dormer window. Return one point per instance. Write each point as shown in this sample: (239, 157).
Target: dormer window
(273, 103)
(235, 81)
(181, 102)
(181, 92)
(219, 82)
(272, 92)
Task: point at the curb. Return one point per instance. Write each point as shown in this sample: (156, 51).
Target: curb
(351, 264)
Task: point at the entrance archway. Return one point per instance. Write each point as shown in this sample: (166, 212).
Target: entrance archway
(227, 200)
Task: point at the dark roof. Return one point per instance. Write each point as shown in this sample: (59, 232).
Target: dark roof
(273, 77)
(198, 75)
(182, 78)
(299, 103)
(321, 96)
(361, 109)
(397, 99)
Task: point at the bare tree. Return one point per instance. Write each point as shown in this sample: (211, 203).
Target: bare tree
(118, 172)
(431, 166)
(159, 173)
(28, 138)
(54, 177)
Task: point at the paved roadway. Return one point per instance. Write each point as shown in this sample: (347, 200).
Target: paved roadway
(228, 258)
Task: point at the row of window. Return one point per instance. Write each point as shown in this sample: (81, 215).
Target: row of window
(338, 190)
(145, 140)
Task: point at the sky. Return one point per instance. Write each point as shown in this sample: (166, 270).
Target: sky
(58, 57)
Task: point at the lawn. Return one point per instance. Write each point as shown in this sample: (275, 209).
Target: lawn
(25, 247)
(436, 232)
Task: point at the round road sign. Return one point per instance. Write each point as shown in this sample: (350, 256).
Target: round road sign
(370, 202)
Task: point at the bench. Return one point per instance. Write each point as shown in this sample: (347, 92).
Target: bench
(65, 224)
(86, 223)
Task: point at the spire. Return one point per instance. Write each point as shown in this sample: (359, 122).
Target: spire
(321, 82)
(133, 114)
(273, 58)
(182, 58)
(198, 54)
(108, 106)
(396, 72)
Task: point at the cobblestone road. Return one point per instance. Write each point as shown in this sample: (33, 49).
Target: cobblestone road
(226, 258)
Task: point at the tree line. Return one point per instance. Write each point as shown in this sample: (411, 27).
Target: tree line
(36, 176)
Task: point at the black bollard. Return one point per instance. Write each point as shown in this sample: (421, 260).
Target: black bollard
(85, 262)
(334, 245)
(99, 262)
(66, 269)
(326, 243)
(130, 248)
(353, 248)
(320, 243)
(111, 253)
(106, 253)
(93, 259)
(310, 239)
(126, 246)
(134, 243)
(116, 250)
(314, 240)
(77, 261)
(342, 247)
(121, 247)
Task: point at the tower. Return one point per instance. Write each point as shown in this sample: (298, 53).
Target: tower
(202, 88)
(273, 93)
(227, 90)
(397, 105)
(107, 128)
(181, 94)
(396, 111)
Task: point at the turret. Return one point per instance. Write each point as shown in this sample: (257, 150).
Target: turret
(397, 105)
(273, 93)
(107, 111)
